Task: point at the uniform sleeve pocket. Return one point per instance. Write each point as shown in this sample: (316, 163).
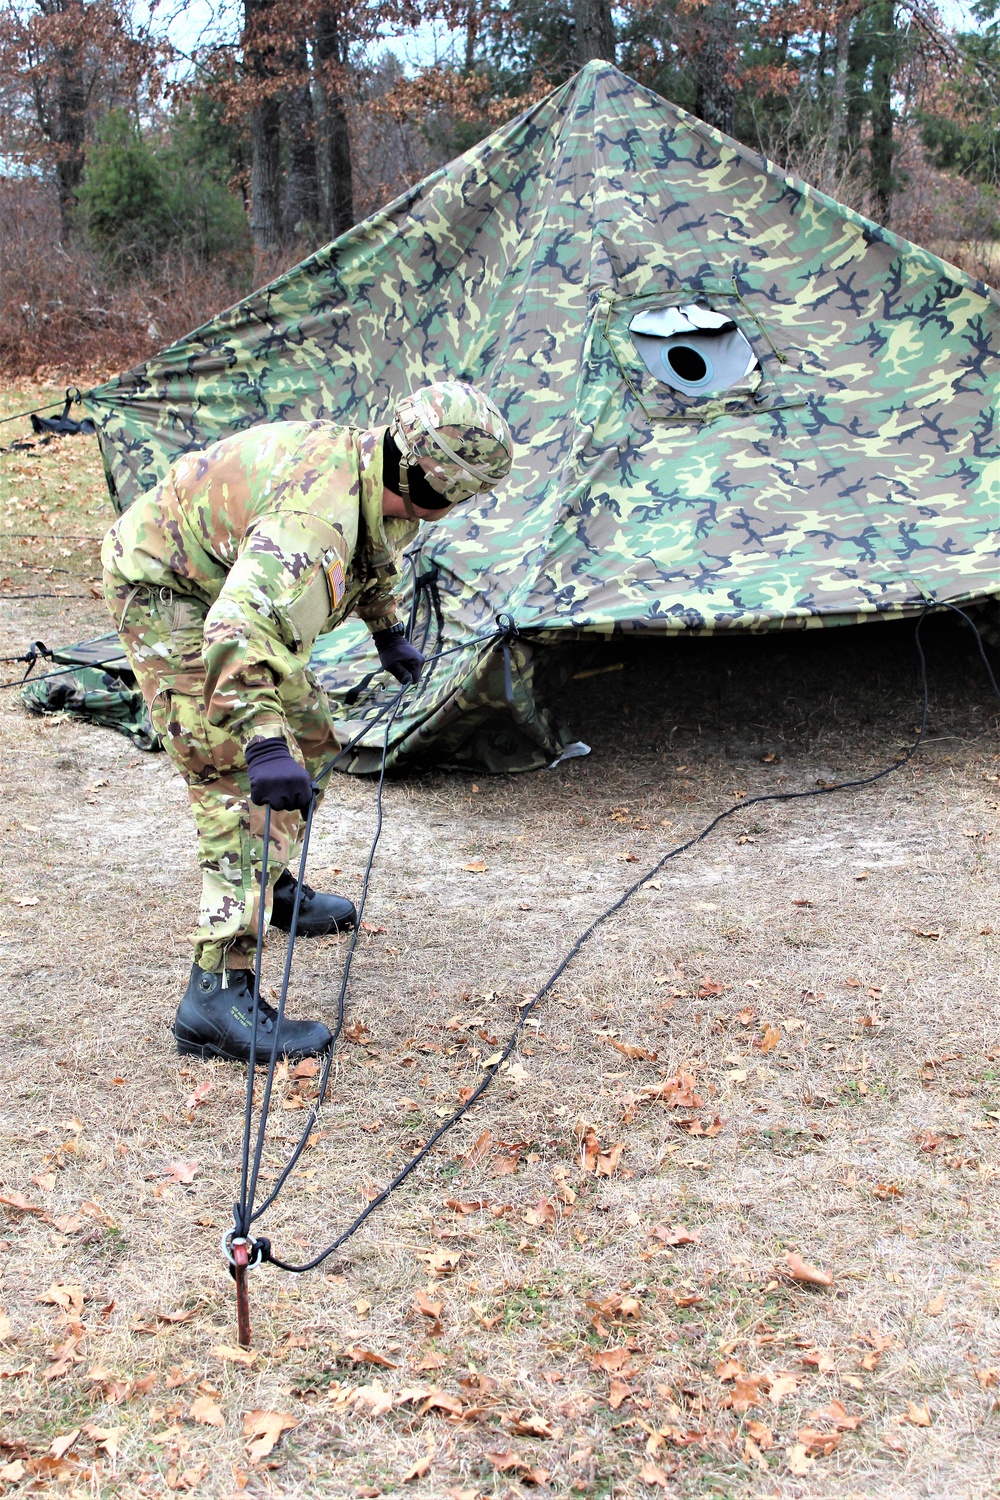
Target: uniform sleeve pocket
(308, 610)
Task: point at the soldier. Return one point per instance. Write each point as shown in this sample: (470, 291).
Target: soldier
(219, 580)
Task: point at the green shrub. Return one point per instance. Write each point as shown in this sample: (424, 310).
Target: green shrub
(124, 199)
(144, 199)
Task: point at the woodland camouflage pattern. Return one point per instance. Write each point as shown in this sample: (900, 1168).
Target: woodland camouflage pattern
(860, 478)
(97, 695)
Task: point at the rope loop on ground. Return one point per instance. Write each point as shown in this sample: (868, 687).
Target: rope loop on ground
(246, 1214)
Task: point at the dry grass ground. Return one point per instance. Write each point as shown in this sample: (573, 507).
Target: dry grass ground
(826, 972)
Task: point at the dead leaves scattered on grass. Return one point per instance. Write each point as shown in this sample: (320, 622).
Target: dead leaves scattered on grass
(595, 1158)
(64, 1223)
(509, 1463)
(676, 1093)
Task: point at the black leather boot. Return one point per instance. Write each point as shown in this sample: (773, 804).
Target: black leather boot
(215, 1019)
(318, 914)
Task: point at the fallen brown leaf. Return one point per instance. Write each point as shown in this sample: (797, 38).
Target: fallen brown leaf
(836, 1413)
(307, 1068)
(69, 1298)
(504, 1166)
(181, 1171)
(678, 1235)
(374, 1396)
(636, 1054)
(801, 1270)
(66, 1355)
(676, 1093)
(707, 1128)
(98, 1212)
(441, 1262)
(531, 1427)
(544, 1212)
(509, 1463)
(480, 1150)
(782, 1386)
(620, 1391)
(610, 1359)
(442, 1401)
(917, 1416)
(798, 1459)
(199, 1094)
(235, 1356)
(432, 1361)
(61, 1445)
(768, 1040)
(262, 1429)
(206, 1411)
(423, 1304)
(817, 1360)
(747, 1391)
(817, 1443)
(21, 1203)
(106, 1438)
(594, 1158)
(359, 1356)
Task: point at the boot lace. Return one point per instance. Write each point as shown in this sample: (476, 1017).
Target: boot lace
(267, 1013)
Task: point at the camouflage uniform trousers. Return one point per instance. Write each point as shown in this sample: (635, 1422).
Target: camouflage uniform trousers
(161, 631)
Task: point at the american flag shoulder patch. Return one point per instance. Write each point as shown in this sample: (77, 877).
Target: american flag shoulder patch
(335, 573)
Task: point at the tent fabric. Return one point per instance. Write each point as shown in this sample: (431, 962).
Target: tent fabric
(853, 475)
(99, 696)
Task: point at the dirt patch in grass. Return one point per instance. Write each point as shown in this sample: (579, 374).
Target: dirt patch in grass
(786, 1048)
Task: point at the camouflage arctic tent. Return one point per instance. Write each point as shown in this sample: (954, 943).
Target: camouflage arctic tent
(738, 405)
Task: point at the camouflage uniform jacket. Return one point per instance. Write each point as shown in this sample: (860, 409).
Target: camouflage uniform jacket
(277, 532)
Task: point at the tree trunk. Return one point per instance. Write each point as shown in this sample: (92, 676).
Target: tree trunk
(471, 35)
(715, 100)
(831, 153)
(265, 176)
(331, 62)
(265, 132)
(301, 212)
(882, 144)
(859, 56)
(595, 31)
(67, 123)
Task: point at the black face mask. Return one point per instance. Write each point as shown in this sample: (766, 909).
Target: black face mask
(421, 492)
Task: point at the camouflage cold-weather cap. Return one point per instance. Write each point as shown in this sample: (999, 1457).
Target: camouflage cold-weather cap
(456, 435)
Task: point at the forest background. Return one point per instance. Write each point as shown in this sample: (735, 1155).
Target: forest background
(156, 166)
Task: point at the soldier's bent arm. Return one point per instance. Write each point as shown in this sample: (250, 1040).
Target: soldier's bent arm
(278, 597)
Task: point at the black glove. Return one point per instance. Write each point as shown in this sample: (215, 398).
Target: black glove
(397, 655)
(277, 778)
